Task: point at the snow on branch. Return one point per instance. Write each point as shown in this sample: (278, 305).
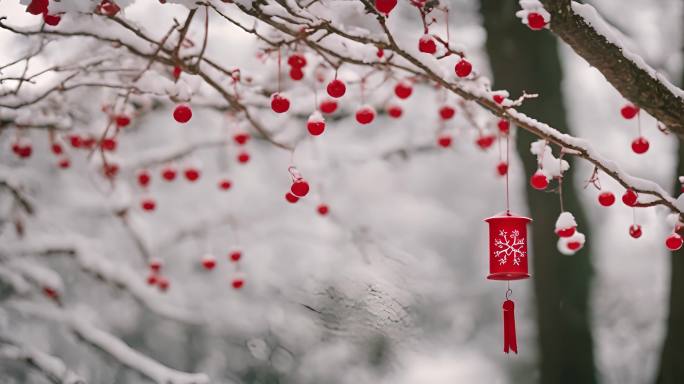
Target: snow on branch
(52, 367)
(581, 27)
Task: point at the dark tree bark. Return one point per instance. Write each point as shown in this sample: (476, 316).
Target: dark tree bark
(526, 60)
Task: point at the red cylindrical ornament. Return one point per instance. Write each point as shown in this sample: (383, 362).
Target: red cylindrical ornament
(508, 247)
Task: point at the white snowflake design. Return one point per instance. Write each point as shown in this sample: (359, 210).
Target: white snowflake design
(509, 246)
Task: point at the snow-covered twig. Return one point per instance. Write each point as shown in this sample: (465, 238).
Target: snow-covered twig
(52, 367)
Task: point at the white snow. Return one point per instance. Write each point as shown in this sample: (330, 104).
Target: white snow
(565, 220)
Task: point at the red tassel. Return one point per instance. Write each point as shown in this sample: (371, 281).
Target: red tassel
(509, 327)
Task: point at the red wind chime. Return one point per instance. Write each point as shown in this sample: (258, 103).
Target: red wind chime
(508, 258)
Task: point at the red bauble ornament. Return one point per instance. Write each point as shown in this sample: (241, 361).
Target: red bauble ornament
(169, 173)
(535, 21)
(241, 138)
(444, 140)
(336, 88)
(539, 180)
(328, 106)
(635, 231)
(365, 115)
(148, 204)
(504, 126)
(640, 145)
(630, 198)
(674, 242)
(403, 90)
(182, 113)
(243, 157)
(322, 209)
(508, 247)
(629, 111)
(426, 44)
(299, 188)
(463, 68)
(385, 6)
(606, 198)
(279, 103)
(224, 184)
(502, 168)
(446, 112)
(291, 198)
(394, 111)
(191, 174)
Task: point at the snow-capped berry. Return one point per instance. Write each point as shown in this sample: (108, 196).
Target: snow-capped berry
(57, 148)
(241, 138)
(322, 209)
(52, 20)
(394, 111)
(446, 112)
(565, 225)
(403, 89)
(108, 144)
(535, 21)
(485, 141)
(243, 157)
(502, 168)
(630, 198)
(163, 283)
(385, 6)
(498, 99)
(296, 74)
(640, 145)
(635, 231)
(297, 60)
(144, 178)
(444, 140)
(365, 115)
(208, 262)
(300, 188)
(224, 184)
(336, 88)
(539, 180)
(463, 68)
(235, 256)
(279, 103)
(291, 198)
(191, 174)
(504, 126)
(122, 120)
(109, 8)
(574, 245)
(606, 198)
(155, 264)
(238, 283)
(380, 53)
(629, 111)
(37, 7)
(64, 162)
(316, 124)
(674, 242)
(169, 173)
(182, 113)
(426, 44)
(328, 106)
(148, 204)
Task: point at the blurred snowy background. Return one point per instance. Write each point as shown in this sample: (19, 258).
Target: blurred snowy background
(389, 287)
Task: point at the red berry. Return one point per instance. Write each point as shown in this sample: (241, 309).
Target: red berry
(297, 61)
(574, 245)
(108, 8)
(328, 106)
(640, 145)
(37, 7)
(108, 144)
(504, 126)
(385, 6)
(243, 157)
(446, 112)
(444, 140)
(57, 148)
(163, 283)
(50, 292)
(535, 21)
(88, 142)
(235, 256)
(225, 184)
(630, 198)
(606, 198)
(155, 265)
(279, 104)
(152, 279)
(394, 111)
(192, 174)
(502, 168)
(176, 72)
(565, 232)
(322, 209)
(629, 111)
(110, 170)
(64, 162)
(463, 68)
(674, 242)
(182, 113)
(498, 99)
(296, 74)
(336, 88)
(316, 124)
(238, 283)
(144, 178)
(209, 262)
(51, 19)
(403, 90)
(148, 204)
(635, 231)
(365, 115)
(427, 44)
(291, 198)
(169, 173)
(75, 141)
(300, 188)
(539, 180)
(241, 138)
(380, 53)
(485, 141)
(122, 120)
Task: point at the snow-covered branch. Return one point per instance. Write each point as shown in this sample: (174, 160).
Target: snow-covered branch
(52, 367)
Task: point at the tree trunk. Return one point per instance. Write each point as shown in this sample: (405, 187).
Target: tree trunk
(525, 60)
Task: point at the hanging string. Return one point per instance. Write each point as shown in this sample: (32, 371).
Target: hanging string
(560, 180)
(639, 122)
(446, 21)
(363, 93)
(279, 60)
(508, 171)
(634, 216)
